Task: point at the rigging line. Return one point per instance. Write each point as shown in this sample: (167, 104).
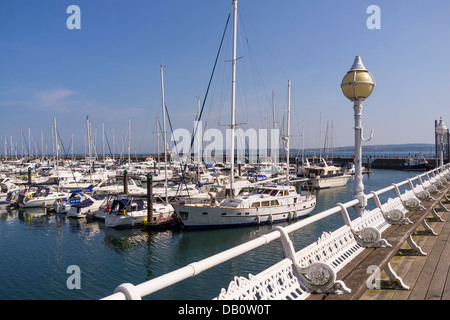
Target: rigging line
(207, 89)
(210, 79)
(176, 150)
(107, 142)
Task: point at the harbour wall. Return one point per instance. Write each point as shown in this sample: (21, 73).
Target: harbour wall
(394, 163)
(383, 163)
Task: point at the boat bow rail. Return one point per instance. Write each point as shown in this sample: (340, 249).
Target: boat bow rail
(312, 269)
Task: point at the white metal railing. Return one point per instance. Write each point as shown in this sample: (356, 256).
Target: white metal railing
(434, 180)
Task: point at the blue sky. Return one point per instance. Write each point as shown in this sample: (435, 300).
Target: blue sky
(109, 69)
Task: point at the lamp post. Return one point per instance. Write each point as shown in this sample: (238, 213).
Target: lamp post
(441, 129)
(356, 86)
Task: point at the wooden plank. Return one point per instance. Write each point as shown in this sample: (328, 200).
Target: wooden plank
(446, 291)
(436, 286)
(382, 256)
(416, 264)
(356, 279)
(425, 277)
(420, 270)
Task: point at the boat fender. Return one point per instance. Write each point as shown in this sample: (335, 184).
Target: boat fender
(222, 181)
(59, 200)
(30, 196)
(124, 212)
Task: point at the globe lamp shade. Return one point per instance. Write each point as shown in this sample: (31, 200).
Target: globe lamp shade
(358, 83)
(441, 129)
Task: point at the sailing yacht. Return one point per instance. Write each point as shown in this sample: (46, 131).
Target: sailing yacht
(266, 204)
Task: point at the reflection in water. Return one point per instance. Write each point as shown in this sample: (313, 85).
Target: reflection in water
(38, 246)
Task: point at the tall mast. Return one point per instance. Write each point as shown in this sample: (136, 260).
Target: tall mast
(233, 95)
(129, 141)
(6, 148)
(103, 140)
(157, 140)
(303, 141)
(56, 145)
(164, 130)
(199, 144)
(29, 143)
(42, 145)
(288, 131)
(88, 140)
(114, 151)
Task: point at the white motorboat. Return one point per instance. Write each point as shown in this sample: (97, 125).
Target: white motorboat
(87, 207)
(116, 186)
(183, 190)
(12, 197)
(6, 185)
(130, 213)
(40, 195)
(323, 175)
(85, 181)
(269, 204)
(105, 207)
(79, 203)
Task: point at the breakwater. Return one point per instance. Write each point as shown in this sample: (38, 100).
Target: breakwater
(382, 163)
(394, 163)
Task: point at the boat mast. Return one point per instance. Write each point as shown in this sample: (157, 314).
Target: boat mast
(6, 148)
(233, 95)
(164, 131)
(288, 131)
(56, 145)
(129, 141)
(103, 140)
(42, 145)
(157, 141)
(88, 141)
(114, 151)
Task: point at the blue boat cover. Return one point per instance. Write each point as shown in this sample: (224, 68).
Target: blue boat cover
(83, 204)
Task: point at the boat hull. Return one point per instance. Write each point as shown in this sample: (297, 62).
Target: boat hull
(39, 202)
(323, 183)
(415, 167)
(77, 212)
(125, 221)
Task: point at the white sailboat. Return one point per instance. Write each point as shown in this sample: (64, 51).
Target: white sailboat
(267, 204)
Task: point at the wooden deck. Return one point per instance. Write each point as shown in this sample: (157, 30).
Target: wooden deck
(427, 276)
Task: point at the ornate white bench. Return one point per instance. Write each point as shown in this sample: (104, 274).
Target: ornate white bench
(314, 268)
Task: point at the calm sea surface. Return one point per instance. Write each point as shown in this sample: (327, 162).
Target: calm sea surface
(35, 254)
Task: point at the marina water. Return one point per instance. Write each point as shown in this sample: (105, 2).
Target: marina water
(38, 249)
